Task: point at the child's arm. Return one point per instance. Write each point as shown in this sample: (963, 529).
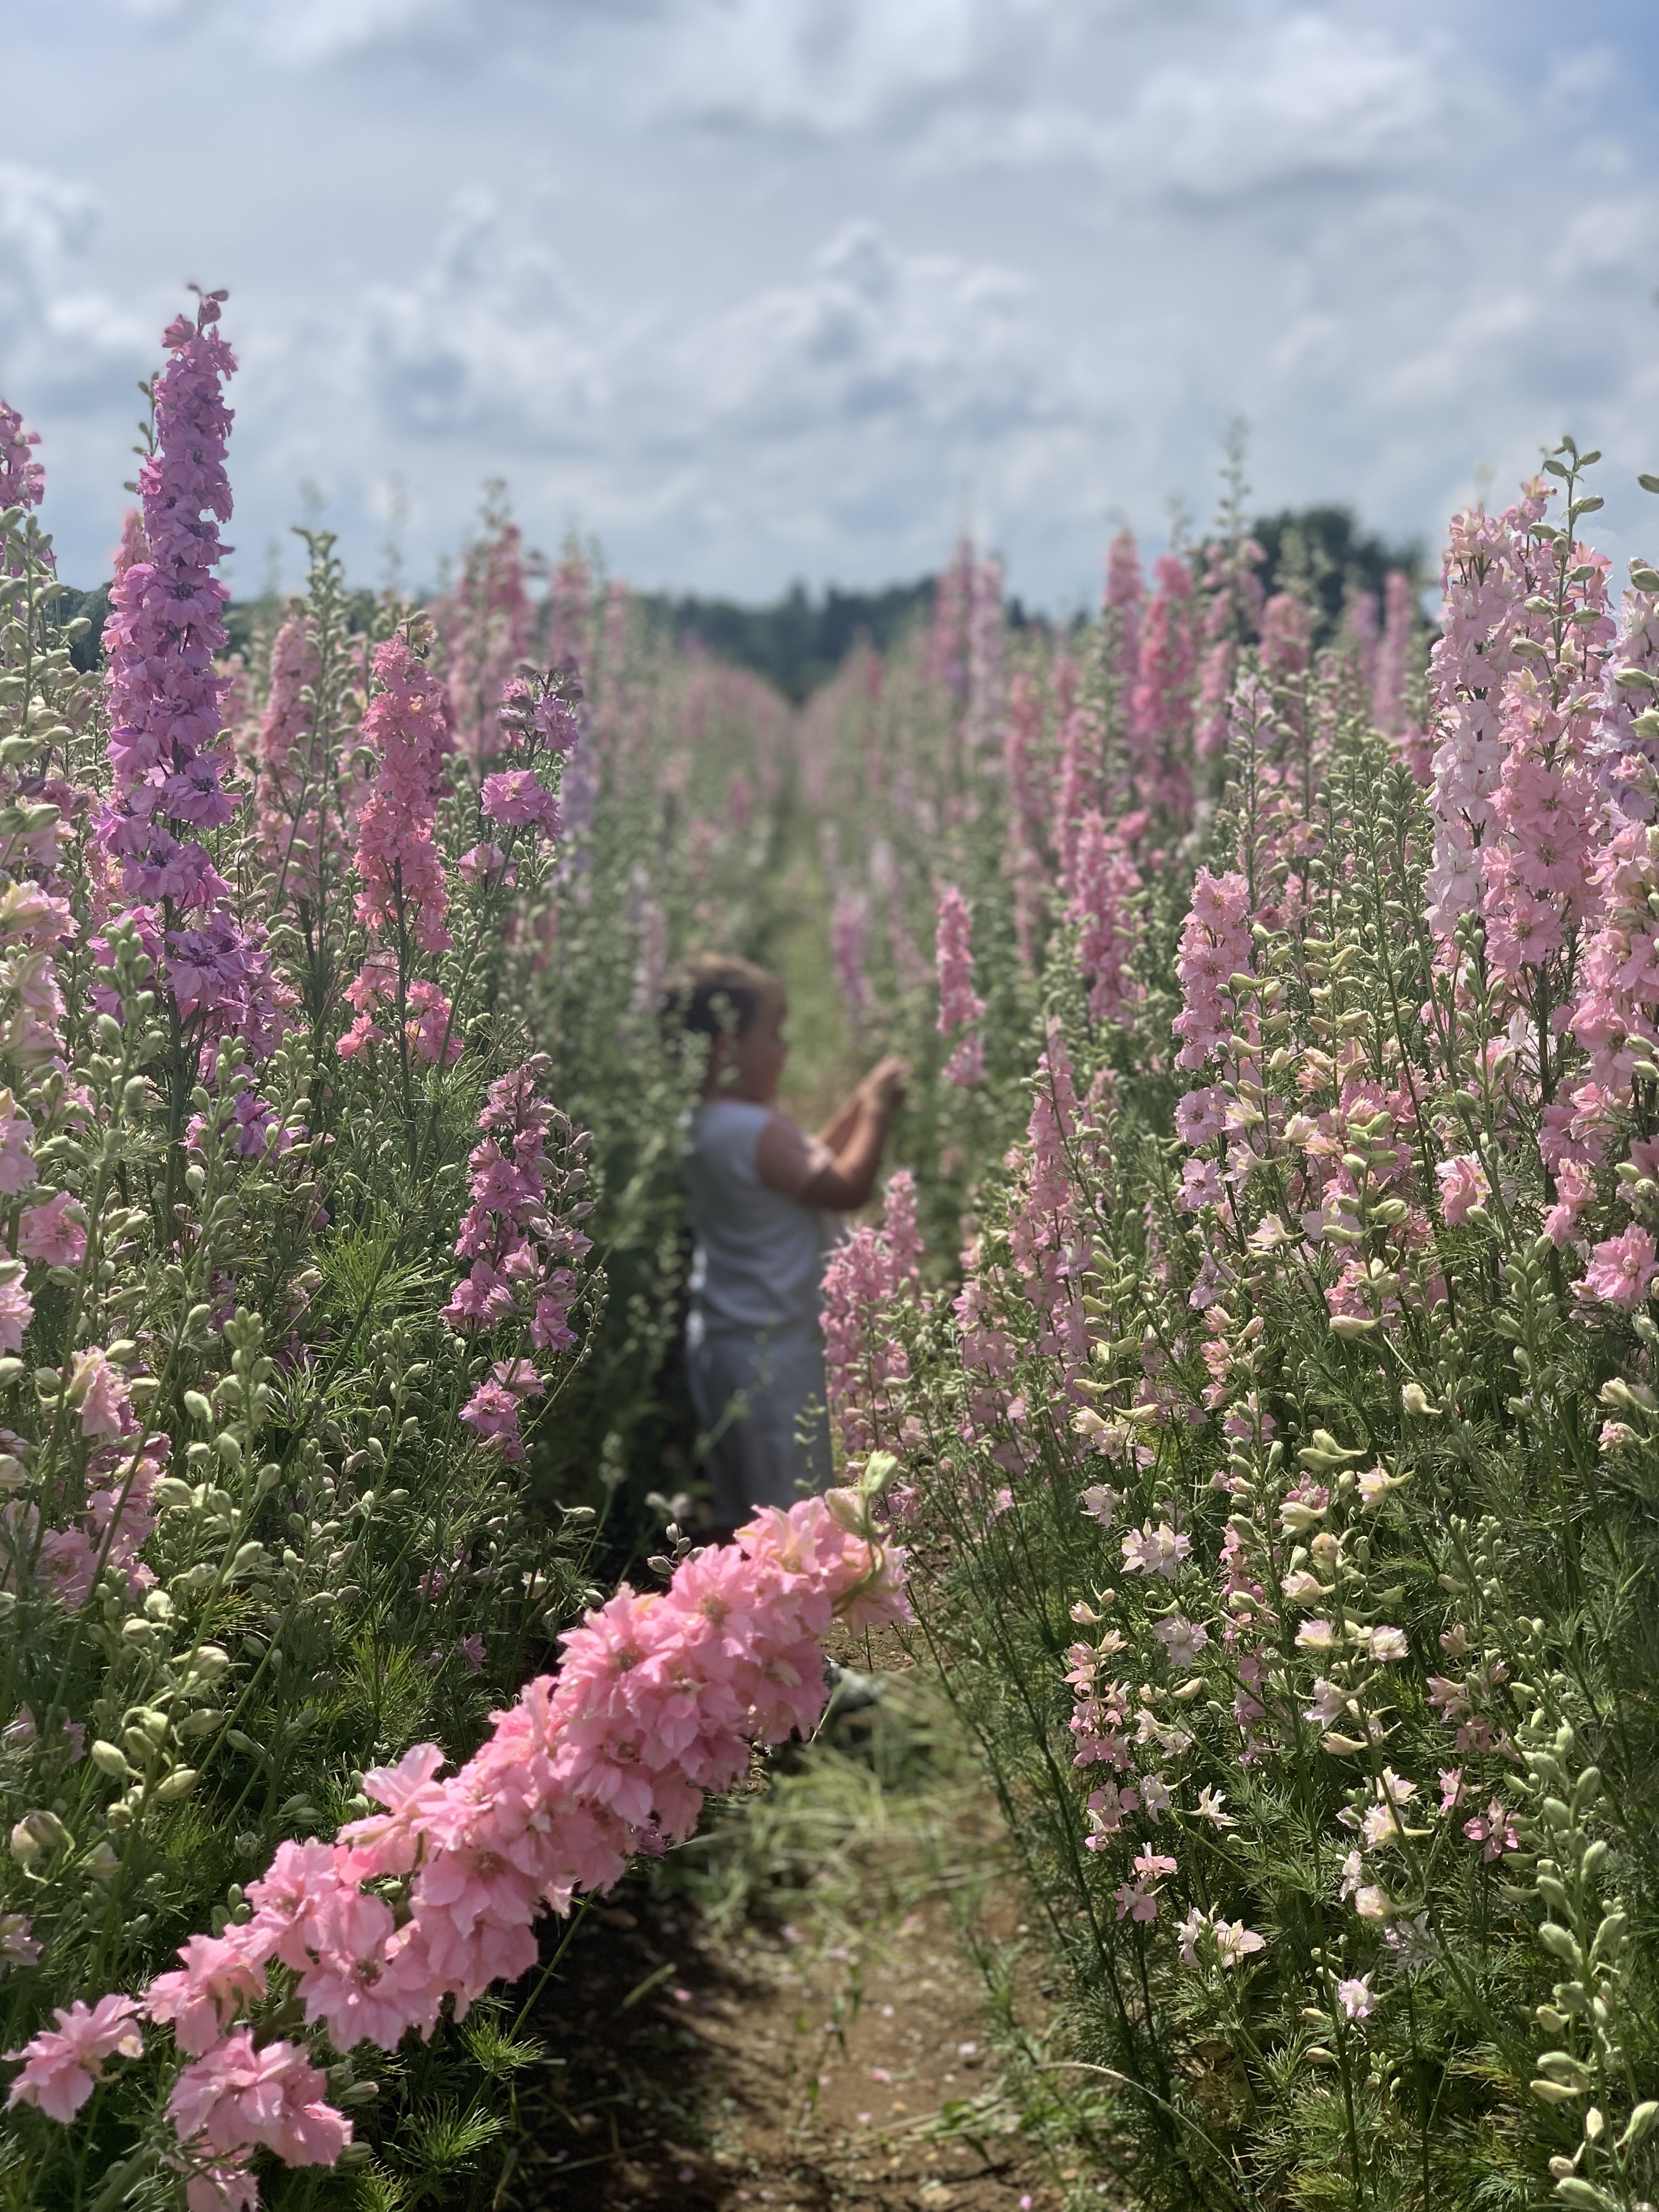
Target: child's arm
(839, 1128)
(861, 1128)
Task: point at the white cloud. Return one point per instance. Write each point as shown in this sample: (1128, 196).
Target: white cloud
(1220, 113)
(302, 33)
(488, 340)
(61, 337)
(863, 394)
(766, 287)
(829, 67)
(1308, 99)
(874, 340)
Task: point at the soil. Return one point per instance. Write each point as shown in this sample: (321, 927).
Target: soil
(762, 2075)
(833, 2064)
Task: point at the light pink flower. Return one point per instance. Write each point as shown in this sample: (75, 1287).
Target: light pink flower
(1215, 945)
(240, 2094)
(17, 1159)
(658, 1702)
(492, 1413)
(1463, 1183)
(229, 2184)
(514, 798)
(408, 726)
(16, 1312)
(62, 2066)
(1104, 884)
(1621, 1271)
(100, 1394)
(47, 1234)
(1494, 1830)
(200, 1999)
(1235, 1942)
(1155, 1551)
(1355, 1997)
(1139, 1900)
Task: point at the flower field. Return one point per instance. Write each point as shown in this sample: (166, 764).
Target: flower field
(1268, 1388)
(1244, 1399)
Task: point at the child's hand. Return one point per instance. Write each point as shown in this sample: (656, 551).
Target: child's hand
(884, 1086)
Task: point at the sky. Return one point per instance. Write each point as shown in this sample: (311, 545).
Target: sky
(754, 290)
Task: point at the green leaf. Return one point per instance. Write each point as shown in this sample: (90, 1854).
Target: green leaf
(444, 2140)
(497, 2052)
(1648, 482)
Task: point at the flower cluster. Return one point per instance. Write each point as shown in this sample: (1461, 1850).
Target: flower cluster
(960, 1006)
(868, 1275)
(239, 1474)
(657, 1703)
(22, 479)
(407, 730)
(1321, 1393)
(521, 1234)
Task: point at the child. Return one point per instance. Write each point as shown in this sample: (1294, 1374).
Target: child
(763, 1195)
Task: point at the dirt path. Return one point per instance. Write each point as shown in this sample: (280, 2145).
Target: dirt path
(799, 2028)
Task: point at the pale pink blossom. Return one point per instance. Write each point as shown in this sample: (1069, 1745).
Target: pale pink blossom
(47, 1234)
(1620, 1271)
(1139, 1900)
(240, 2094)
(1463, 1184)
(1494, 1830)
(1215, 945)
(1355, 1997)
(63, 2066)
(1155, 1551)
(16, 1312)
(99, 1392)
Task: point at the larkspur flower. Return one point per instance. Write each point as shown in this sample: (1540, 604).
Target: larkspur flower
(1494, 1830)
(1158, 1551)
(960, 1006)
(1355, 1999)
(407, 729)
(239, 2094)
(1620, 1273)
(1463, 1184)
(63, 2065)
(1209, 1807)
(1182, 1640)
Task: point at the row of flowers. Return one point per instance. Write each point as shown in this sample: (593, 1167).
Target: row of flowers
(328, 971)
(1285, 1446)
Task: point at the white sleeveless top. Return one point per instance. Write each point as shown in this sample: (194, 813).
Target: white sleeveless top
(759, 1259)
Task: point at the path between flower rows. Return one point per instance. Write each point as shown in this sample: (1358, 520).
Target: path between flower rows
(834, 2060)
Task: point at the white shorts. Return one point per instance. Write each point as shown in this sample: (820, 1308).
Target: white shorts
(752, 1391)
